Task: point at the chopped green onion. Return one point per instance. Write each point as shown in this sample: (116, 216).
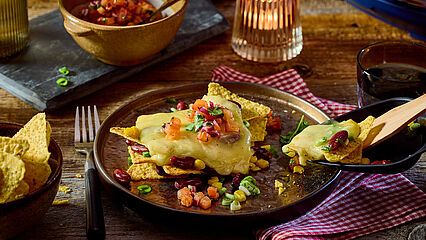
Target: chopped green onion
(230, 196)
(415, 126)
(190, 127)
(173, 109)
(245, 190)
(146, 154)
(247, 124)
(170, 100)
(320, 141)
(144, 189)
(253, 189)
(273, 150)
(62, 82)
(250, 179)
(129, 161)
(222, 190)
(103, 19)
(64, 71)
(235, 205)
(326, 148)
(227, 201)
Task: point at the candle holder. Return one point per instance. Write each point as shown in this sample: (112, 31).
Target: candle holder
(267, 30)
(13, 26)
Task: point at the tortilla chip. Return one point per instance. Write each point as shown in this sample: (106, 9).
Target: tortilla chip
(249, 109)
(36, 174)
(13, 171)
(342, 152)
(139, 158)
(17, 147)
(120, 131)
(20, 191)
(143, 171)
(355, 157)
(177, 171)
(37, 133)
(258, 128)
(365, 127)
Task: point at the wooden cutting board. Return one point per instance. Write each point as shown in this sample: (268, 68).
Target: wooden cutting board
(31, 75)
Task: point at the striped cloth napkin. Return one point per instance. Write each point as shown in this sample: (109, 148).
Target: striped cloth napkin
(361, 203)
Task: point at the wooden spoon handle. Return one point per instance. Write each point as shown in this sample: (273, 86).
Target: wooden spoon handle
(394, 120)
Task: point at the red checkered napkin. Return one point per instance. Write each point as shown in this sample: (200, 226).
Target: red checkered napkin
(361, 203)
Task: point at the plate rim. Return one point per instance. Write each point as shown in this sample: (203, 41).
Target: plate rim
(110, 181)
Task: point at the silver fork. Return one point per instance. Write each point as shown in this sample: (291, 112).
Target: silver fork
(95, 226)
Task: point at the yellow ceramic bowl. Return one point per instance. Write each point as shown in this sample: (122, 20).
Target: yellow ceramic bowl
(19, 215)
(123, 45)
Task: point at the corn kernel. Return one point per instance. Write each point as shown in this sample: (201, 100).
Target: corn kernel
(252, 165)
(267, 147)
(132, 132)
(199, 164)
(290, 154)
(253, 159)
(278, 184)
(262, 163)
(298, 169)
(217, 185)
(411, 123)
(281, 190)
(365, 161)
(256, 168)
(213, 180)
(240, 195)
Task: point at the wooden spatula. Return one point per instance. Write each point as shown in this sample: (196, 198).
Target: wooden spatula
(394, 120)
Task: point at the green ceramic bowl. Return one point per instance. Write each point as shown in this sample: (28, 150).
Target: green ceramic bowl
(21, 214)
(123, 45)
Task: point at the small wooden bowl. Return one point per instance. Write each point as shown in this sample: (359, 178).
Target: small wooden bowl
(18, 215)
(122, 45)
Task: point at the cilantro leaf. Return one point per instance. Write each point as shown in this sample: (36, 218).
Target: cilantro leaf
(190, 127)
(198, 122)
(170, 100)
(290, 135)
(273, 150)
(216, 111)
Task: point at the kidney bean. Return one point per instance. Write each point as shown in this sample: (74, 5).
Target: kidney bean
(129, 142)
(181, 106)
(160, 171)
(262, 153)
(184, 182)
(237, 180)
(182, 163)
(122, 177)
(338, 139)
(139, 148)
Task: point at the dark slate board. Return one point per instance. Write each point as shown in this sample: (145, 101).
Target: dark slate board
(32, 74)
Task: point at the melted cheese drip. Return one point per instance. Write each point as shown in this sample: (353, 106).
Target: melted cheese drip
(222, 157)
(305, 143)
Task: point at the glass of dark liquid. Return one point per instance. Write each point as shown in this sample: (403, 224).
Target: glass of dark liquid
(391, 69)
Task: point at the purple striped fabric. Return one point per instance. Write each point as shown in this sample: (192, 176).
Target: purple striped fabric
(361, 203)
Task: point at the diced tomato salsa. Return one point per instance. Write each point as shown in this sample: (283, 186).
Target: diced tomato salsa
(117, 12)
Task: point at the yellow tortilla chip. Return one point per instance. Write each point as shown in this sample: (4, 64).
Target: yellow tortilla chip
(17, 147)
(365, 127)
(20, 191)
(143, 171)
(13, 171)
(36, 174)
(120, 131)
(258, 128)
(249, 109)
(355, 157)
(37, 133)
(342, 152)
(177, 171)
(139, 158)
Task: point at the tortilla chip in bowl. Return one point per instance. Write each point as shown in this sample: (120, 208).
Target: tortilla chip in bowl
(29, 197)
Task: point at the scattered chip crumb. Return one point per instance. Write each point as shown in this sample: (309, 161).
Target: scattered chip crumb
(78, 175)
(293, 111)
(61, 202)
(65, 189)
(269, 206)
(61, 224)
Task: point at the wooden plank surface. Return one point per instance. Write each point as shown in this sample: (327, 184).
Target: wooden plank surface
(333, 76)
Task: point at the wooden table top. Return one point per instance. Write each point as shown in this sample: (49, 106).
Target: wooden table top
(331, 42)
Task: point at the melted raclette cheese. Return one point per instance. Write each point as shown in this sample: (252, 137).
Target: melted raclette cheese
(225, 158)
(305, 143)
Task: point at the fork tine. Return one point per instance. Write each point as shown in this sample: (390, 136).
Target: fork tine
(77, 126)
(89, 121)
(97, 123)
(83, 124)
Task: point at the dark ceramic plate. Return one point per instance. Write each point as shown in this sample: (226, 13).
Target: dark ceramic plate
(403, 149)
(303, 191)
(18, 215)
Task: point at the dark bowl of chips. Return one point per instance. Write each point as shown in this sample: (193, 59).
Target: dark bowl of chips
(28, 202)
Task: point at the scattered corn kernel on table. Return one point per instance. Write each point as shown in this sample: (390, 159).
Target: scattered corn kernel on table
(333, 34)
